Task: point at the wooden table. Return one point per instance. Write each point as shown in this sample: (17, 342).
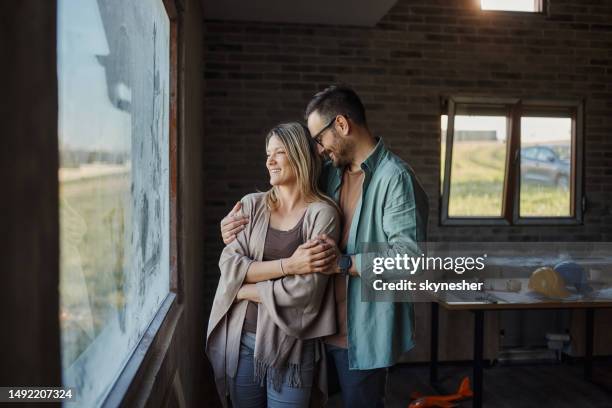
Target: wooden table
(478, 309)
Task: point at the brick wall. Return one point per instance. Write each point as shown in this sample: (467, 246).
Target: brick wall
(259, 74)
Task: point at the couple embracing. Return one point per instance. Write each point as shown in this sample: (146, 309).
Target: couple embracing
(288, 304)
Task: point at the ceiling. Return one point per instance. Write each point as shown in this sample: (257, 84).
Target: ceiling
(330, 12)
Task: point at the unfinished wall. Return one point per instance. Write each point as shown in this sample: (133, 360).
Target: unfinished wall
(259, 74)
(197, 382)
(30, 245)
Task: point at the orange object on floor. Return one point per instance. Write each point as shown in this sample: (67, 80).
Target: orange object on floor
(442, 401)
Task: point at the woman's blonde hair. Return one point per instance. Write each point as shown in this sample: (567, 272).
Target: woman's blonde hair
(304, 161)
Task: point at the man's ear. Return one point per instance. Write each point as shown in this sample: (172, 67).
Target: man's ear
(344, 126)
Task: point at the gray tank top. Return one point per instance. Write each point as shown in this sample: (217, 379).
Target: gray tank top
(279, 244)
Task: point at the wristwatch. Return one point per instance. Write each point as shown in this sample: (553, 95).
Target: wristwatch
(344, 264)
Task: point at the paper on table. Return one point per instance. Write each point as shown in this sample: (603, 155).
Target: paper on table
(605, 293)
(513, 297)
(530, 297)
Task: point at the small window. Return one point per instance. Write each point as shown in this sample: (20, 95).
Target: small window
(511, 162)
(533, 6)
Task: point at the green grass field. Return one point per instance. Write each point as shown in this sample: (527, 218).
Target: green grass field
(93, 215)
(477, 185)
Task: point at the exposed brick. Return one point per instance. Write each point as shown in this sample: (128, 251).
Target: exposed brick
(257, 75)
(406, 54)
(441, 37)
(601, 27)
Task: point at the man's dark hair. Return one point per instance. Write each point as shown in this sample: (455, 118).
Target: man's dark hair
(337, 100)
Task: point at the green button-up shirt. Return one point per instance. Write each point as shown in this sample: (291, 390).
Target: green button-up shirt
(393, 209)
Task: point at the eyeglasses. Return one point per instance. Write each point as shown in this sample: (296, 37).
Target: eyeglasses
(319, 135)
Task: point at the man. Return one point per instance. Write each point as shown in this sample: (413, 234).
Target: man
(381, 202)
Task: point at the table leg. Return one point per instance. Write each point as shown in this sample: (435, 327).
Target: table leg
(478, 363)
(588, 342)
(433, 345)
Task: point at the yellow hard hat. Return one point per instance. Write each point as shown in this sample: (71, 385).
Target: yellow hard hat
(548, 282)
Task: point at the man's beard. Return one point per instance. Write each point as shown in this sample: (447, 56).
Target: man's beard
(341, 153)
(340, 161)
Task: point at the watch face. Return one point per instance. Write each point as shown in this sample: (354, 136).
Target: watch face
(345, 262)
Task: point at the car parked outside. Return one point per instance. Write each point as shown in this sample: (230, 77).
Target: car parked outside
(546, 164)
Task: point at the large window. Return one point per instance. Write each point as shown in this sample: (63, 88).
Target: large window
(507, 161)
(115, 210)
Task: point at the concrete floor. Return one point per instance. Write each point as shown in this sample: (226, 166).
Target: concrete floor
(559, 386)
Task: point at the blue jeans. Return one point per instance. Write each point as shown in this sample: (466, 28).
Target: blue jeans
(360, 388)
(245, 392)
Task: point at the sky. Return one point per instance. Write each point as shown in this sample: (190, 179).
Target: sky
(533, 130)
(87, 119)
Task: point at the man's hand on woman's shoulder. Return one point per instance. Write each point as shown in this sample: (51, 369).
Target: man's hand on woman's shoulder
(233, 223)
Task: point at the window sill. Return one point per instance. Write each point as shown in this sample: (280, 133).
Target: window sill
(483, 222)
(548, 221)
(134, 384)
(473, 222)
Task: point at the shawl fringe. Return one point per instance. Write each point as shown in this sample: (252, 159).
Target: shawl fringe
(263, 370)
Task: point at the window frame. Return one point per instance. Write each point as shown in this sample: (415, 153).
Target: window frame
(515, 109)
(575, 110)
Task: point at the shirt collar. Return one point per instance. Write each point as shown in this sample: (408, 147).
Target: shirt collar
(373, 160)
(369, 165)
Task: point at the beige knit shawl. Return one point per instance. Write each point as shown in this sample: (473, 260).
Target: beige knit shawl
(292, 309)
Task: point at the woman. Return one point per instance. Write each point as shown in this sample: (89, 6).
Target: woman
(268, 317)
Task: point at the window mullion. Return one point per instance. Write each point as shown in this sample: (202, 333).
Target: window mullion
(511, 180)
(450, 130)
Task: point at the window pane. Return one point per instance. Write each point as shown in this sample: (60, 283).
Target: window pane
(546, 175)
(113, 74)
(478, 166)
(511, 5)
